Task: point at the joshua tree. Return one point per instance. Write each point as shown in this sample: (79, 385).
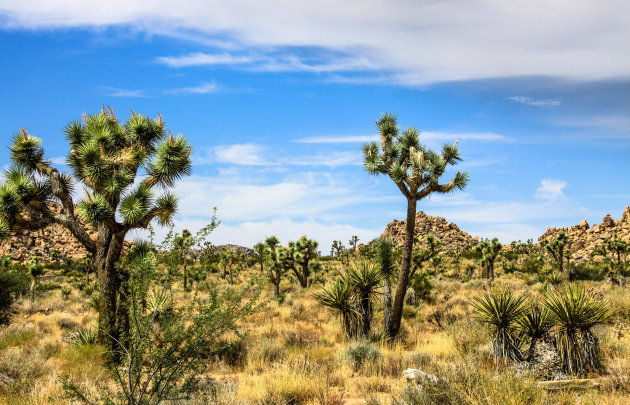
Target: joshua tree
(489, 252)
(105, 156)
(386, 259)
(277, 257)
(575, 313)
(55, 254)
(425, 253)
(354, 240)
(183, 244)
(559, 250)
(303, 254)
(501, 309)
(261, 251)
(365, 278)
(36, 269)
(416, 171)
(227, 259)
(615, 251)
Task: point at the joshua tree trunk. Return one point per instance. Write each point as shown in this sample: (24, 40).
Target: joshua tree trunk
(105, 263)
(532, 349)
(403, 278)
(32, 292)
(185, 276)
(276, 288)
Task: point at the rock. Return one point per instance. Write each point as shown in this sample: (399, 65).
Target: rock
(448, 233)
(412, 374)
(584, 224)
(608, 221)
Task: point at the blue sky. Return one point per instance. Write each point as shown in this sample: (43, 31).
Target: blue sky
(277, 98)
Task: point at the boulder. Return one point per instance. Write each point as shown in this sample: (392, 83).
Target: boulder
(415, 375)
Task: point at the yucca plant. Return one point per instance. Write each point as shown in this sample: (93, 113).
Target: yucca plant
(81, 337)
(575, 313)
(535, 325)
(501, 309)
(416, 171)
(339, 297)
(365, 278)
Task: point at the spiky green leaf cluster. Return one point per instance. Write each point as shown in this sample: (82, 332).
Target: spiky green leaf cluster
(408, 163)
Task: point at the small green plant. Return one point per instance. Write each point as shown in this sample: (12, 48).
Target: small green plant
(82, 337)
(501, 309)
(362, 353)
(535, 325)
(575, 313)
(65, 292)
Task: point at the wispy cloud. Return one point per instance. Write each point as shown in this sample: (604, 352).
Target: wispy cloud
(116, 92)
(551, 189)
(368, 35)
(535, 102)
(205, 59)
(203, 88)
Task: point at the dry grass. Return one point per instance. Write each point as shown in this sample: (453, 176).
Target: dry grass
(295, 353)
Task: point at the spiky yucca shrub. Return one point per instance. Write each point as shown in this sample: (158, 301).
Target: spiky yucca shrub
(501, 309)
(365, 278)
(535, 325)
(575, 313)
(339, 297)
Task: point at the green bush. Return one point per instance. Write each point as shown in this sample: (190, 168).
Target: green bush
(595, 271)
(12, 283)
(362, 353)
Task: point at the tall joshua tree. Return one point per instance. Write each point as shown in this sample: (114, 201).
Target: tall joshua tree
(416, 171)
(559, 251)
(105, 156)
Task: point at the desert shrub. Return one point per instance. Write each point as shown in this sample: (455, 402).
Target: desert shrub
(49, 286)
(65, 292)
(533, 264)
(67, 323)
(267, 351)
(362, 353)
(441, 316)
(594, 271)
(20, 368)
(12, 283)
(421, 285)
(467, 337)
(232, 352)
(16, 335)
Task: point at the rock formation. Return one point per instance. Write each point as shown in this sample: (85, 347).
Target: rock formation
(451, 236)
(584, 239)
(24, 244)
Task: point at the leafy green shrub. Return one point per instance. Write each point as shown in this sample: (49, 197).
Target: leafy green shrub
(12, 283)
(362, 353)
(595, 271)
(49, 286)
(421, 285)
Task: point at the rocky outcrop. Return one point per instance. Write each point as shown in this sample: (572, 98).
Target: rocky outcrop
(450, 235)
(24, 244)
(585, 239)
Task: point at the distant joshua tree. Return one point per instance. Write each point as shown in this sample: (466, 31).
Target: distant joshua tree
(416, 171)
(303, 254)
(559, 251)
(489, 251)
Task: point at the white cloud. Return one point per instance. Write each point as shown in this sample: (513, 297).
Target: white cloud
(204, 59)
(246, 154)
(534, 102)
(115, 92)
(204, 88)
(551, 189)
(414, 42)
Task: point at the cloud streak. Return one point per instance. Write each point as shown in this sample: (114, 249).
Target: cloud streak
(487, 39)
